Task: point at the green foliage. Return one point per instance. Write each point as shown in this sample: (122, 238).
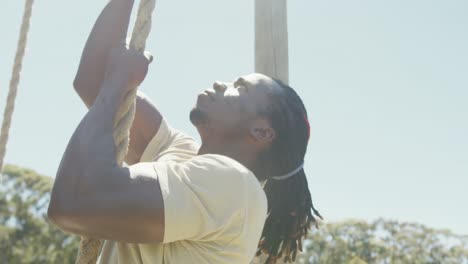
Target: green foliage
(382, 242)
(25, 234)
(357, 260)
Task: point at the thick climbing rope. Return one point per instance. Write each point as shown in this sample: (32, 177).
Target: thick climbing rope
(14, 81)
(90, 248)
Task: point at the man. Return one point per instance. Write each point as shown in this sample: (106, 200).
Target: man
(178, 202)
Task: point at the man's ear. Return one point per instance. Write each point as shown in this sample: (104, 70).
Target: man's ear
(262, 132)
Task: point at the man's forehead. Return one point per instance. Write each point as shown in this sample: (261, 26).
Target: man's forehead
(260, 80)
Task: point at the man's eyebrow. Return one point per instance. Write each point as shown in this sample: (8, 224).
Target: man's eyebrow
(241, 81)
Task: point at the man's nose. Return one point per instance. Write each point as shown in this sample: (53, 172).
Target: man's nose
(219, 87)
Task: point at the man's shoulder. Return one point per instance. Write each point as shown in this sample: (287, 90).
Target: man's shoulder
(229, 171)
(221, 165)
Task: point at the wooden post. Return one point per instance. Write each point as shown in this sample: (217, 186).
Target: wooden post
(271, 39)
(271, 48)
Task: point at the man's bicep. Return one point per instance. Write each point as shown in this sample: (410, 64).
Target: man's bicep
(145, 125)
(127, 207)
(140, 207)
(137, 213)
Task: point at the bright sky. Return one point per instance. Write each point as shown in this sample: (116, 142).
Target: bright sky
(385, 83)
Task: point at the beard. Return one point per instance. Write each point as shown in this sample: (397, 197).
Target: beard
(198, 117)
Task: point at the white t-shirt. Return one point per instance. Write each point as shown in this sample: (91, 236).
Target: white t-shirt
(214, 207)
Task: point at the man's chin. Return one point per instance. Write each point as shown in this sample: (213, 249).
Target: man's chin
(198, 117)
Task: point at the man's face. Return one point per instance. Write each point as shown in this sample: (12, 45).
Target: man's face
(232, 107)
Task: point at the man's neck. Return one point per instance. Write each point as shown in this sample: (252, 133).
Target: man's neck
(236, 151)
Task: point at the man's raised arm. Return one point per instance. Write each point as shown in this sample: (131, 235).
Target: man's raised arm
(94, 197)
(109, 31)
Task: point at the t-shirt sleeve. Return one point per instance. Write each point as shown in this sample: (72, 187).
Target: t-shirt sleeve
(169, 144)
(204, 198)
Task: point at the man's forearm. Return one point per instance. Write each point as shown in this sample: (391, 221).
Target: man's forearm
(89, 160)
(109, 30)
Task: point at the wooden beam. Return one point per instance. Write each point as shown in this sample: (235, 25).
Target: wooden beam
(271, 39)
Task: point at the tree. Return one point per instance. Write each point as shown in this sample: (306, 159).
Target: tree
(384, 242)
(25, 234)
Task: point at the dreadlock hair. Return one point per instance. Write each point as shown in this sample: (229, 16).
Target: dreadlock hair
(290, 205)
